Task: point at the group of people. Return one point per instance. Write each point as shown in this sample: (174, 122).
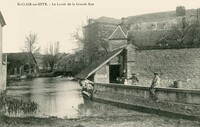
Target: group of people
(134, 81)
(155, 83)
(88, 85)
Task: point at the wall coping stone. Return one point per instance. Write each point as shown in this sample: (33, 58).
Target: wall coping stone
(175, 90)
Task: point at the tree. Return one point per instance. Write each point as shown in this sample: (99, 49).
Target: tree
(31, 46)
(182, 34)
(52, 56)
(78, 38)
(96, 41)
(31, 43)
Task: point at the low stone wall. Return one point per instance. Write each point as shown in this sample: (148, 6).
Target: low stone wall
(171, 100)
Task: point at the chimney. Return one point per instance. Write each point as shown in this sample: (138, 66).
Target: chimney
(180, 11)
(123, 20)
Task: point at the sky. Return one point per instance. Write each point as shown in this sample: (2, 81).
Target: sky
(58, 23)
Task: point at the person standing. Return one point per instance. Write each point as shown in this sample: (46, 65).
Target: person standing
(155, 83)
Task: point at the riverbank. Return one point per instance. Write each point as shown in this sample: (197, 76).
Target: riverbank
(107, 121)
(87, 113)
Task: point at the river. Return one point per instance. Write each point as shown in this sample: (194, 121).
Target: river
(61, 98)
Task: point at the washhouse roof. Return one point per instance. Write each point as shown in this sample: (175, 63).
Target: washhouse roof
(91, 69)
(24, 57)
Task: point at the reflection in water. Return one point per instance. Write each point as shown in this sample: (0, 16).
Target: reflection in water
(59, 97)
(85, 109)
(54, 96)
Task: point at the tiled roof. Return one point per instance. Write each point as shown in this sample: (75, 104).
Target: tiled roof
(2, 21)
(22, 56)
(118, 34)
(88, 71)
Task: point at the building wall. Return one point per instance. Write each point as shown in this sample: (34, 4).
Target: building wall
(4, 76)
(116, 44)
(102, 75)
(147, 33)
(171, 64)
(1, 55)
(155, 25)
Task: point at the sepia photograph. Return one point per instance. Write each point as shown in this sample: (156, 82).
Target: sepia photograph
(100, 63)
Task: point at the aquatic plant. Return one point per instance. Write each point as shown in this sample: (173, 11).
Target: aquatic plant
(14, 106)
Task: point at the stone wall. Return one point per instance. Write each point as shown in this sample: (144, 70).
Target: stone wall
(171, 100)
(171, 64)
(155, 25)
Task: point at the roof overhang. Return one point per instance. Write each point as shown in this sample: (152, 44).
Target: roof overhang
(104, 63)
(95, 66)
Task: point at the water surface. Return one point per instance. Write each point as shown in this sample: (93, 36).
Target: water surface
(61, 98)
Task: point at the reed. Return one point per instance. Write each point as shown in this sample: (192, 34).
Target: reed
(14, 106)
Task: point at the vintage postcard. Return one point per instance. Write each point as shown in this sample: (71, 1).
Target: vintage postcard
(99, 63)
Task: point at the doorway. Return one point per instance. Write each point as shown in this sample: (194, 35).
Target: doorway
(114, 71)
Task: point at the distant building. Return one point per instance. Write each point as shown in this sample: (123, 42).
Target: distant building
(71, 63)
(39, 60)
(21, 63)
(2, 64)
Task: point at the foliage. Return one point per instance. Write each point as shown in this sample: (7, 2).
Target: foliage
(93, 39)
(183, 34)
(96, 41)
(52, 56)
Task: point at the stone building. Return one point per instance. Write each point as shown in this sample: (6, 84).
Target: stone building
(96, 35)
(144, 31)
(71, 64)
(2, 65)
(21, 64)
(116, 63)
(123, 58)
